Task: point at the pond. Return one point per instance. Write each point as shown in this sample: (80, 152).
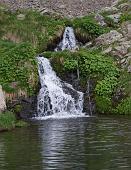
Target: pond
(99, 143)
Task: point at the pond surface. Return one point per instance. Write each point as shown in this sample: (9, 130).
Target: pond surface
(102, 143)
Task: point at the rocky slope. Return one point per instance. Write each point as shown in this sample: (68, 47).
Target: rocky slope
(66, 8)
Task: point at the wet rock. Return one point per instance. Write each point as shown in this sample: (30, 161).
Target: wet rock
(2, 100)
(108, 38)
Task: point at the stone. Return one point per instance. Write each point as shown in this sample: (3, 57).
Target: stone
(124, 7)
(21, 17)
(108, 38)
(2, 100)
(109, 9)
(129, 30)
(115, 17)
(126, 29)
(129, 69)
(100, 19)
(107, 51)
(122, 48)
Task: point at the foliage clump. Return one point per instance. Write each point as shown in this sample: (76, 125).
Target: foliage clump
(88, 26)
(17, 64)
(7, 120)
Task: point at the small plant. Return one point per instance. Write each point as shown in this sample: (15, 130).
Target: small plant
(124, 108)
(103, 104)
(21, 123)
(125, 17)
(7, 120)
(89, 26)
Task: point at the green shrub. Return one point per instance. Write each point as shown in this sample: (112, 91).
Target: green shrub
(124, 108)
(106, 86)
(103, 104)
(125, 17)
(16, 65)
(21, 123)
(89, 26)
(7, 120)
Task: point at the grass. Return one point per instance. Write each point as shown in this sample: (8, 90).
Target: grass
(7, 120)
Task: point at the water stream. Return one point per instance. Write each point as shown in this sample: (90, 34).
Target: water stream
(58, 99)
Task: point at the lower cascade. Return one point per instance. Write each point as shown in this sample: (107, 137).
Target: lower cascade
(56, 98)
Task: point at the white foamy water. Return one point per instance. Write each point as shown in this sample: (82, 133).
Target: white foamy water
(68, 42)
(56, 98)
(52, 100)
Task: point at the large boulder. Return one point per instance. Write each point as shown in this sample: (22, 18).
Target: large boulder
(2, 100)
(108, 38)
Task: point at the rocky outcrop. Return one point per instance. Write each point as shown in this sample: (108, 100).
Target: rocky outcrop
(108, 38)
(2, 100)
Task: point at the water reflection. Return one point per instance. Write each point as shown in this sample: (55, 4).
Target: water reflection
(74, 144)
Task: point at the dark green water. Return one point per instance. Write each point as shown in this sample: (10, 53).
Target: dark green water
(102, 143)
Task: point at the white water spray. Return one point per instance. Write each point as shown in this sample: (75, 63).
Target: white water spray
(56, 98)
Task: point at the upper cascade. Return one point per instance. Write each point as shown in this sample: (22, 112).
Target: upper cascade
(68, 42)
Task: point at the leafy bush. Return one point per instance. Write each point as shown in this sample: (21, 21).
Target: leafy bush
(16, 65)
(124, 108)
(7, 120)
(103, 104)
(106, 86)
(125, 17)
(89, 26)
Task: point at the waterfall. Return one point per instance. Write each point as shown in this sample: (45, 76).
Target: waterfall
(68, 42)
(58, 99)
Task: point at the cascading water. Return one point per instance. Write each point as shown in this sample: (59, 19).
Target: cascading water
(56, 98)
(68, 42)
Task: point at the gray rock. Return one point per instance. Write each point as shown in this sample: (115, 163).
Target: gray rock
(108, 38)
(122, 48)
(2, 100)
(129, 69)
(100, 19)
(21, 17)
(129, 30)
(124, 7)
(111, 9)
(115, 17)
(107, 51)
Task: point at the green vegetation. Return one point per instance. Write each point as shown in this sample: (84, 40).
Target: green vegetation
(125, 17)
(87, 28)
(100, 68)
(7, 120)
(34, 28)
(22, 39)
(18, 64)
(124, 108)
